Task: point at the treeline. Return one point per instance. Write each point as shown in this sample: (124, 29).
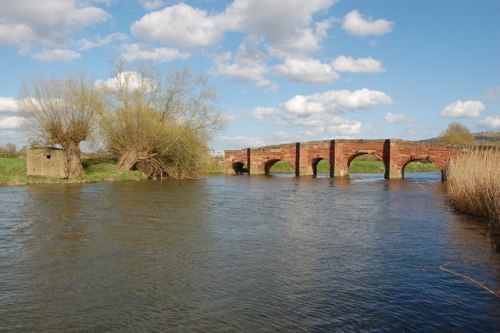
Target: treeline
(160, 125)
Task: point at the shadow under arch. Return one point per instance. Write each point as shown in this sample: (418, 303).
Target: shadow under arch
(315, 166)
(239, 168)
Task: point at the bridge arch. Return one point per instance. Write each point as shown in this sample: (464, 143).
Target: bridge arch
(239, 167)
(358, 154)
(314, 164)
(426, 159)
(271, 162)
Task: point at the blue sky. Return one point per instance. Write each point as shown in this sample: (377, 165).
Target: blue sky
(286, 70)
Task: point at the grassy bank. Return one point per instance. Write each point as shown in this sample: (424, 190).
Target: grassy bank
(474, 188)
(13, 172)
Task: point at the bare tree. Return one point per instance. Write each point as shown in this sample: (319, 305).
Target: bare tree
(61, 112)
(162, 128)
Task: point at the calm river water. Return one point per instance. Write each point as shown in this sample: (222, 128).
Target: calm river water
(244, 254)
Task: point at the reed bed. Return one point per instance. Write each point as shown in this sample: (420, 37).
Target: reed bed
(474, 187)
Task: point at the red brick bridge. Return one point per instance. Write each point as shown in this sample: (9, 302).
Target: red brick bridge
(304, 156)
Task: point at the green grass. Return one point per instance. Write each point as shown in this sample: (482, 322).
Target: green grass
(215, 166)
(13, 172)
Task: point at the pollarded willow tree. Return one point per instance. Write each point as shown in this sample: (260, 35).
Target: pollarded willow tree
(61, 112)
(162, 128)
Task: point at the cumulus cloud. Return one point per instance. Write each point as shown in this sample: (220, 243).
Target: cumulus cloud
(133, 52)
(49, 22)
(322, 112)
(261, 113)
(336, 101)
(57, 55)
(247, 64)
(396, 118)
(98, 41)
(179, 25)
(236, 142)
(11, 122)
(355, 24)
(128, 80)
(301, 41)
(490, 123)
(189, 27)
(307, 70)
(260, 16)
(467, 109)
(152, 4)
(345, 128)
(360, 65)
(8, 104)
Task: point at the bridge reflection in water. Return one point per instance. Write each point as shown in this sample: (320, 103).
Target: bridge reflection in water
(305, 156)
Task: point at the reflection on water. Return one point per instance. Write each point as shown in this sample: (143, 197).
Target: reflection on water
(243, 253)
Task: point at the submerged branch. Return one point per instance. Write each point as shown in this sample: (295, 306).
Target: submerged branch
(481, 284)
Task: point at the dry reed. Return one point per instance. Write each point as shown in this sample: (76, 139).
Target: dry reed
(474, 187)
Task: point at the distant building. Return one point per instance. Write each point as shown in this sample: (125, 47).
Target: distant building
(46, 161)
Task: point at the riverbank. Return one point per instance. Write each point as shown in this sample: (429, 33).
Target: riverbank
(474, 188)
(13, 172)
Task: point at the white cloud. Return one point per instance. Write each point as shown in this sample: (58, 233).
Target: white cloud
(336, 101)
(492, 93)
(396, 118)
(8, 104)
(11, 34)
(491, 123)
(128, 80)
(138, 51)
(345, 128)
(57, 55)
(355, 24)
(188, 27)
(360, 65)
(98, 41)
(320, 112)
(247, 64)
(261, 113)
(467, 109)
(180, 25)
(236, 142)
(49, 22)
(11, 122)
(301, 41)
(273, 19)
(307, 70)
(152, 4)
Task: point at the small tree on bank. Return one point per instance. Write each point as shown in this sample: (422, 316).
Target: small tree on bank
(161, 128)
(457, 134)
(61, 112)
(11, 148)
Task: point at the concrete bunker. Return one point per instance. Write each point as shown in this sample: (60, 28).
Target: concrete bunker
(46, 161)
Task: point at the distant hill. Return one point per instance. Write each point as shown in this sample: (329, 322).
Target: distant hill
(482, 138)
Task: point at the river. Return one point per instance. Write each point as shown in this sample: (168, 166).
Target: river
(244, 254)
